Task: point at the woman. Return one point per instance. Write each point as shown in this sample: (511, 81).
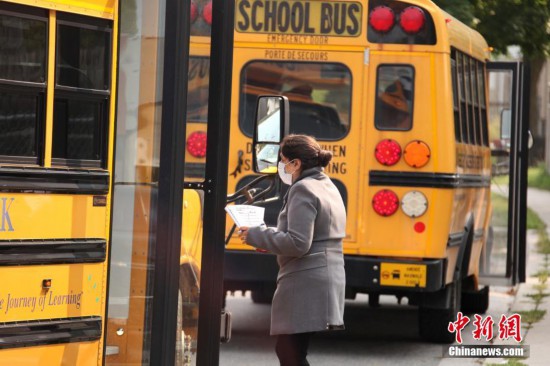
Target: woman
(308, 244)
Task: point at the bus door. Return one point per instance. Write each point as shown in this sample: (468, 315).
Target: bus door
(324, 90)
(503, 258)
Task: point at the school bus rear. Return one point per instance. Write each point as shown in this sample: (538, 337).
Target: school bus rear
(409, 185)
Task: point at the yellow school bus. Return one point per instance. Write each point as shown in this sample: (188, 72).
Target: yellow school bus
(81, 86)
(398, 92)
(57, 95)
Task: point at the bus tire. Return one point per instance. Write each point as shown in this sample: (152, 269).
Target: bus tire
(433, 323)
(262, 296)
(474, 301)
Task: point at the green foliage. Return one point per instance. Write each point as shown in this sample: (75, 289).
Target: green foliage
(515, 22)
(462, 10)
(505, 23)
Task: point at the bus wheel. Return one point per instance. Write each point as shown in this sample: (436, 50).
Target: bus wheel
(263, 296)
(433, 323)
(474, 301)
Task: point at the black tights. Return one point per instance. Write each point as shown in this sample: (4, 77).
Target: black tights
(291, 349)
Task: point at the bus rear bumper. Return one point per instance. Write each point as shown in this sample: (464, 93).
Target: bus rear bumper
(388, 276)
(247, 270)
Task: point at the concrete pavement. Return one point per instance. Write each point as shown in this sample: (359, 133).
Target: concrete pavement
(531, 296)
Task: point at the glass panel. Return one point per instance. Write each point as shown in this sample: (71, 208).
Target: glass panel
(82, 57)
(22, 49)
(197, 97)
(319, 96)
(77, 126)
(495, 252)
(197, 115)
(137, 143)
(19, 118)
(394, 98)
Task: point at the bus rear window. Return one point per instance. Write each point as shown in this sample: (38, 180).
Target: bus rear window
(197, 90)
(319, 95)
(394, 97)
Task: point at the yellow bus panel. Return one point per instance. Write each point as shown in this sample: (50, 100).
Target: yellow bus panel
(76, 290)
(96, 8)
(51, 216)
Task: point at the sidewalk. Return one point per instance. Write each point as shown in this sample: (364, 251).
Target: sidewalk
(537, 336)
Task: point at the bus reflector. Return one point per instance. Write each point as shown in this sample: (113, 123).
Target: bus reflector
(385, 202)
(194, 11)
(419, 227)
(412, 19)
(417, 154)
(207, 13)
(382, 19)
(387, 152)
(196, 144)
(414, 204)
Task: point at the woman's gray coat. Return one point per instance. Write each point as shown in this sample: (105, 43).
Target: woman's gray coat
(308, 243)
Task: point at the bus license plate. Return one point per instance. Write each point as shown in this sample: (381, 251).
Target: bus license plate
(399, 274)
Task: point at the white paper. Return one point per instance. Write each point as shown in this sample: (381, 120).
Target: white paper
(246, 215)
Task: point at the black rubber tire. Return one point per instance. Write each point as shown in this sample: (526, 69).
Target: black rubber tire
(433, 323)
(475, 302)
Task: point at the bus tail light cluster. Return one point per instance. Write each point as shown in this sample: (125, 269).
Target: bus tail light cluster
(206, 12)
(196, 144)
(386, 202)
(411, 19)
(387, 152)
(416, 154)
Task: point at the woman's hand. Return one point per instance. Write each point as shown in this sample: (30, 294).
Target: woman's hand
(243, 232)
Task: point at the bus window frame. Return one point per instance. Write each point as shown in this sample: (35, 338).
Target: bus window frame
(456, 96)
(100, 96)
(36, 89)
(481, 72)
(241, 94)
(411, 66)
(475, 101)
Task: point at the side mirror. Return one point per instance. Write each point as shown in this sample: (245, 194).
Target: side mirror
(271, 125)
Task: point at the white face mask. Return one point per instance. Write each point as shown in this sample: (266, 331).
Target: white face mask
(285, 177)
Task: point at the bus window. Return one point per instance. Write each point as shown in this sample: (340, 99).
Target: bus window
(81, 91)
(394, 97)
(23, 45)
(197, 93)
(319, 95)
(482, 103)
(456, 108)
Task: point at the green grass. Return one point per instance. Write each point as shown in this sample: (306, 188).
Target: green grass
(510, 362)
(500, 213)
(531, 316)
(538, 177)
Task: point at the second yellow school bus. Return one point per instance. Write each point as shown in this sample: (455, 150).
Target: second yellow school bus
(397, 91)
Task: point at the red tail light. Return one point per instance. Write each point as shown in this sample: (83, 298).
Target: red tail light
(387, 152)
(196, 144)
(194, 11)
(385, 202)
(382, 19)
(412, 19)
(207, 13)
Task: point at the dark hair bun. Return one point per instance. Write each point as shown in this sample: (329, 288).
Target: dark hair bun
(325, 157)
